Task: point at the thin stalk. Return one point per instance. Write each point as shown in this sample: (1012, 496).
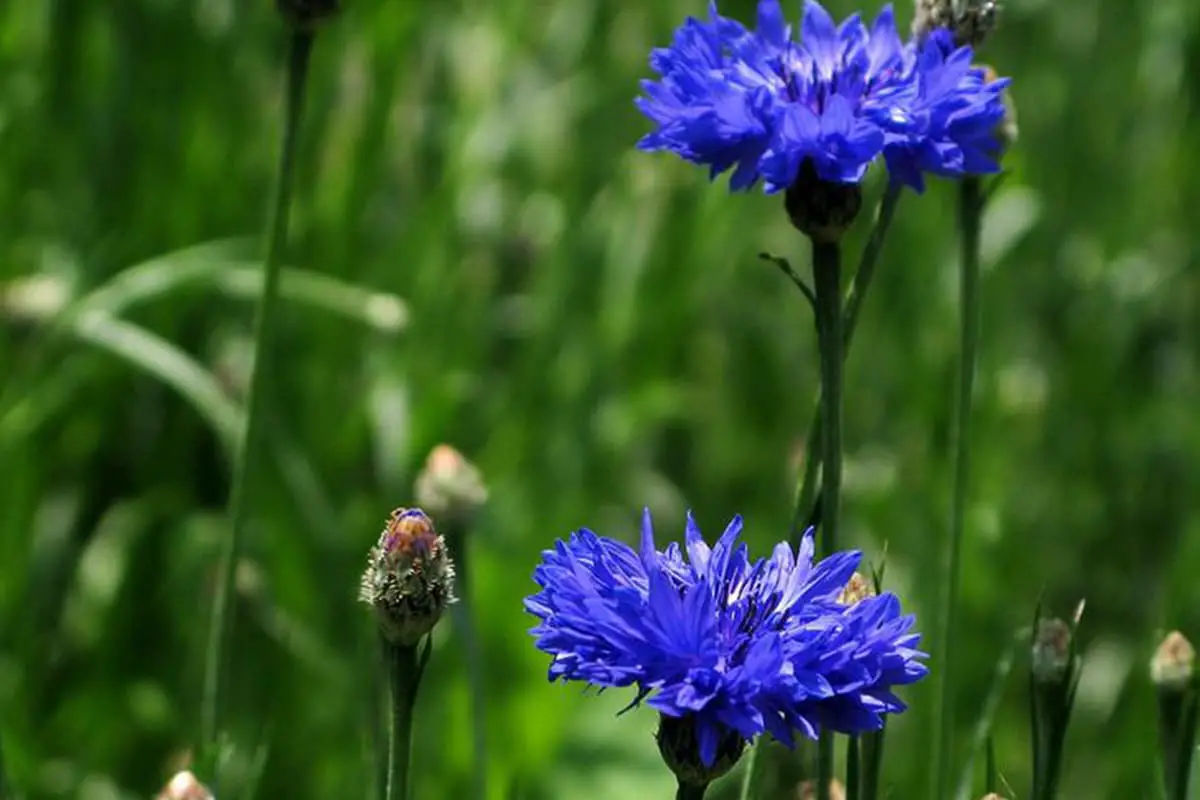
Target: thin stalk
(872, 761)
(827, 277)
(249, 454)
(464, 625)
(853, 768)
(806, 492)
(690, 791)
(4, 791)
(1177, 726)
(403, 680)
(970, 215)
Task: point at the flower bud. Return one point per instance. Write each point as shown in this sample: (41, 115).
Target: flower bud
(680, 748)
(1051, 652)
(808, 790)
(1054, 673)
(856, 589)
(307, 13)
(185, 786)
(1173, 665)
(820, 209)
(991, 796)
(450, 487)
(1173, 671)
(409, 578)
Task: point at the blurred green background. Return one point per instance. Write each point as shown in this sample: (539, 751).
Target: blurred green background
(588, 323)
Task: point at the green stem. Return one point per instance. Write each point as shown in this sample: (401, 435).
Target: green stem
(403, 679)
(970, 221)
(827, 278)
(806, 493)
(872, 761)
(1177, 711)
(4, 791)
(853, 768)
(690, 791)
(464, 624)
(249, 454)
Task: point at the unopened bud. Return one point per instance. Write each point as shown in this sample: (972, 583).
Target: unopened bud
(409, 578)
(1173, 665)
(1051, 652)
(307, 13)
(449, 486)
(185, 786)
(856, 589)
(808, 790)
(991, 796)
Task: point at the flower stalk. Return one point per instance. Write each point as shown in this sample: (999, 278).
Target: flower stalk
(827, 287)
(689, 791)
(249, 453)
(1173, 674)
(404, 668)
(4, 790)
(970, 220)
(806, 491)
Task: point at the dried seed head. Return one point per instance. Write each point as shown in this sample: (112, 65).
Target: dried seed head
(450, 487)
(1173, 665)
(409, 578)
(820, 209)
(856, 589)
(1051, 652)
(184, 786)
(307, 13)
(971, 21)
(808, 790)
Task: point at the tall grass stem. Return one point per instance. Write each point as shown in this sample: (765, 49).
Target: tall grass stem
(249, 453)
(970, 218)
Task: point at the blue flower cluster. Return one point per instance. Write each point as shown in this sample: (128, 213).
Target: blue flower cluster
(743, 646)
(761, 103)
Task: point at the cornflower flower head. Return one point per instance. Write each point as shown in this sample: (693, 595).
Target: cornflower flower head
(764, 104)
(734, 647)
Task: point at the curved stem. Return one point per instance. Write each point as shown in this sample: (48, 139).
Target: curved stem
(970, 212)
(827, 275)
(690, 791)
(403, 677)
(249, 453)
(806, 492)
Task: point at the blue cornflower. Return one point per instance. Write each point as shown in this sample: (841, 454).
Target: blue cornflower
(737, 646)
(762, 103)
(945, 117)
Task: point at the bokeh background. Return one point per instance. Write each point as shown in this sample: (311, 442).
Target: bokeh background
(497, 267)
